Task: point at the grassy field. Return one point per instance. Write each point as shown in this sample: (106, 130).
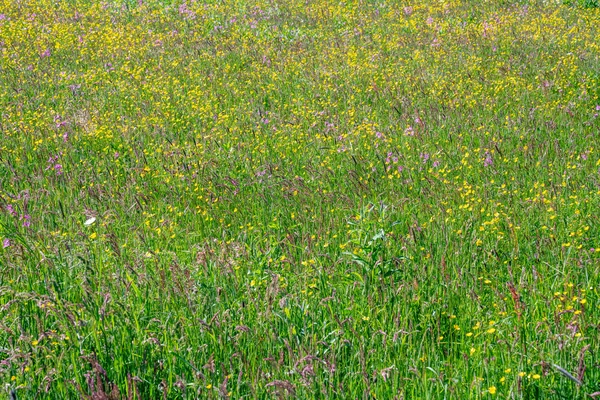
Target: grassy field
(283, 199)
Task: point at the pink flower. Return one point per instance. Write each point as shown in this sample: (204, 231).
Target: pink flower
(11, 210)
(488, 160)
(46, 53)
(26, 220)
(5, 243)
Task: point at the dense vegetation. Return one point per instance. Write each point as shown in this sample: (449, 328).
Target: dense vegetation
(321, 199)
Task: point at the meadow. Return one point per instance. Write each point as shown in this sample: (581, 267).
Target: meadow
(256, 199)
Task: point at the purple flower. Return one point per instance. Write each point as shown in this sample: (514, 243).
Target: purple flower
(5, 243)
(436, 163)
(389, 157)
(186, 12)
(598, 107)
(488, 160)
(74, 89)
(58, 121)
(2, 17)
(46, 53)
(26, 220)
(425, 157)
(11, 210)
(58, 169)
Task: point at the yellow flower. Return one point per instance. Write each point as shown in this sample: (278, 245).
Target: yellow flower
(93, 236)
(492, 389)
(536, 376)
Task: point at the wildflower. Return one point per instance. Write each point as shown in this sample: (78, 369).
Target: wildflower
(26, 220)
(5, 243)
(46, 53)
(488, 160)
(11, 210)
(492, 389)
(186, 12)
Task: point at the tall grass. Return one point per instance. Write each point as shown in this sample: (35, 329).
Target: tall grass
(273, 199)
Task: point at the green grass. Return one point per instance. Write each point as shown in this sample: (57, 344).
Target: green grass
(323, 200)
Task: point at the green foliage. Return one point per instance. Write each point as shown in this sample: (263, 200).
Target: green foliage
(257, 199)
